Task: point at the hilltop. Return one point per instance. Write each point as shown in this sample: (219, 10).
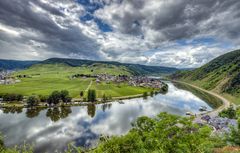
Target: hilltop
(221, 75)
(135, 69)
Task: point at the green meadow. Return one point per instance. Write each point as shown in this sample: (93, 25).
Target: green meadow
(42, 79)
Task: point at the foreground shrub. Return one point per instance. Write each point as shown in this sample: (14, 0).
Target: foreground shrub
(165, 133)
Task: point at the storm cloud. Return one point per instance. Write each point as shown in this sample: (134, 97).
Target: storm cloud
(180, 33)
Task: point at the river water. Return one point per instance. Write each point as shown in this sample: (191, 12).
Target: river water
(53, 129)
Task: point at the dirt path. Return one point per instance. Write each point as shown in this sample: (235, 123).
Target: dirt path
(90, 84)
(214, 112)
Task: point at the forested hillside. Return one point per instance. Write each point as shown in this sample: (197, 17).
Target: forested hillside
(135, 69)
(221, 75)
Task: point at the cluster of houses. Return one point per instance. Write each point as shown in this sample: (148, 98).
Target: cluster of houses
(146, 82)
(140, 81)
(219, 124)
(5, 78)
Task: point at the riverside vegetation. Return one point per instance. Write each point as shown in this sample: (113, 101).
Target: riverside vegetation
(221, 75)
(164, 133)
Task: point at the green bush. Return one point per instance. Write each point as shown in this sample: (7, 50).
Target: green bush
(12, 97)
(33, 101)
(229, 113)
(165, 133)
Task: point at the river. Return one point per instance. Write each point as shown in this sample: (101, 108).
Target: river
(53, 129)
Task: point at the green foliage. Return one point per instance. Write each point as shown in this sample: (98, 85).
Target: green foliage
(64, 94)
(221, 74)
(234, 137)
(43, 98)
(104, 98)
(81, 93)
(45, 78)
(12, 97)
(56, 96)
(145, 94)
(229, 113)
(1, 143)
(33, 101)
(165, 133)
(92, 95)
(131, 68)
(17, 149)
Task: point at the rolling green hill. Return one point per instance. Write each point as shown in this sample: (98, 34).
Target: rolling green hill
(42, 79)
(56, 74)
(221, 75)
(135, 69)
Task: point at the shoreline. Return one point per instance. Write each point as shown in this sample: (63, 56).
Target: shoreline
(79, 102)
(74, 102)
(225, 103)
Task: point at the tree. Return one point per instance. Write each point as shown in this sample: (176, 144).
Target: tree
(145, 94)
(229, 113)
(81, 93)
(32, 101)
(234, 137)
(92, 95)
(19, 97)
(64, 94)
(43, 98)
(54, 98)
(165, 133)
(104, 98)
(12, 97)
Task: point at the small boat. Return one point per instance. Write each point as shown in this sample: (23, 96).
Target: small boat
(203, 108)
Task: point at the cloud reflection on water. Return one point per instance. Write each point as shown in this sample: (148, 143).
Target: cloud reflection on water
(84, 124)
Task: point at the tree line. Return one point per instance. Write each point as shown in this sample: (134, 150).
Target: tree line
(53, 99)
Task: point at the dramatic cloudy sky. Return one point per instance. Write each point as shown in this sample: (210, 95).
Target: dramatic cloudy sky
(179, 33)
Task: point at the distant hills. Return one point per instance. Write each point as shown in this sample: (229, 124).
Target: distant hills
(221, 75)
(135, 69)
(15, 64)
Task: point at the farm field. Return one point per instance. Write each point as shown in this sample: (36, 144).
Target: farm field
(44, 78)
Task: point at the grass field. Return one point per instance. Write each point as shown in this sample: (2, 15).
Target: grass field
(43, 79)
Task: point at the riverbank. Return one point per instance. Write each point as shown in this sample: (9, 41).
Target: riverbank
(74, 102)
(225, 103)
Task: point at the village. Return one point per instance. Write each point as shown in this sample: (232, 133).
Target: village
(219, 124)
(6, 79)
(136, 81)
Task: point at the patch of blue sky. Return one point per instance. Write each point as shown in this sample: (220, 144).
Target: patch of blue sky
(90, 8)
(207, 41)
